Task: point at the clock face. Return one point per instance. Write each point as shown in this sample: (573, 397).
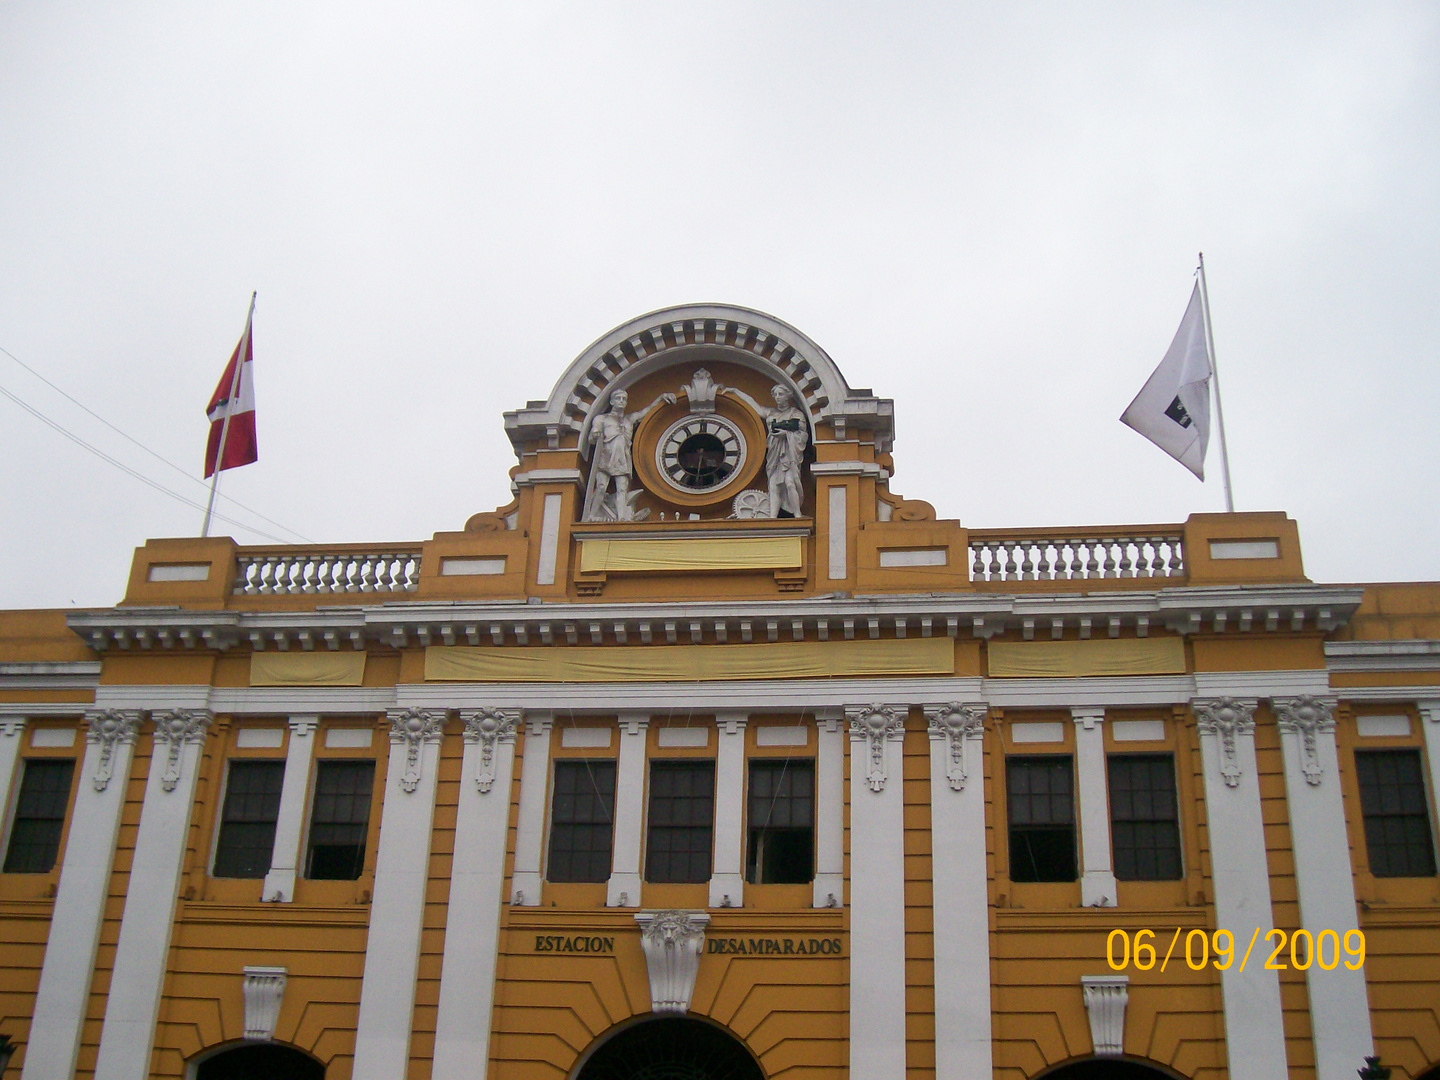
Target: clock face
(700, 452)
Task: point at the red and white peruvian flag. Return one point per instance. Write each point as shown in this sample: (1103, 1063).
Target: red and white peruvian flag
(234, 398)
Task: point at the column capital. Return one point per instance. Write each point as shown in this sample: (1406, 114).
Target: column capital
(11, 724)
(538, 722)
(732, 721)
(1087, 716)
(1306, 717)
(178, 727)
(634, 723)
(876, 725)
(956, 724)
(1226, 718)
(303, 726)
(488, 727)
(413, 728)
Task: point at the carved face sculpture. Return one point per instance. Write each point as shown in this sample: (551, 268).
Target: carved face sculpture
(618, 400)
(783, 397)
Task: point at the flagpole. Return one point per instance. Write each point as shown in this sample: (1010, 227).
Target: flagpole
(240, 353)
(1215, 374)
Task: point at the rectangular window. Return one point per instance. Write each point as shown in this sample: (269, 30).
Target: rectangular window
(247, 820)
(782, 823)
(1397, 820)
(339, 820)
(1041, 804)
(582, 821)
(682, 818)
(1144, 821)
(39, 816)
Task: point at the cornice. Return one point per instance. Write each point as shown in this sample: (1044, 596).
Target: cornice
(1411, 654)
(50, 675)
(1257, 609)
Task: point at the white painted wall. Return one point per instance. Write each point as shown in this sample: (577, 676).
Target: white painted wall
(290, 823)
(530, 824)
(829, 812)
(12, 734)
(838, 533)
(1097, 877)
(727, 879)
(624, 886)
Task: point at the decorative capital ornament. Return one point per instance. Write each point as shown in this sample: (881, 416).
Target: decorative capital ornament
(263, 990)
(875, 725)
(700, 392)
(1105, 999)
(178, 727)
(414, 728)
(1226, 718)
(1307, 717)
(488, 727)
(957, 724)
(108, 730)
(671, 941)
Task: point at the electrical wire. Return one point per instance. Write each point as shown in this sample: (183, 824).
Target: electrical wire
(158, 457)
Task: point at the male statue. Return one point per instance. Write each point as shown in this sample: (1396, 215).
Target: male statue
(787, 433)
(610, 438)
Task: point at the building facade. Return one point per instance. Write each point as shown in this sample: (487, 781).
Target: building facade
(710, 755)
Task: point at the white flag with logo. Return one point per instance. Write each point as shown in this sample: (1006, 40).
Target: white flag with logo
(1172, 410)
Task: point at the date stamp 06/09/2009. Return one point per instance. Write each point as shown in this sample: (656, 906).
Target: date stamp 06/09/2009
(1292, 949)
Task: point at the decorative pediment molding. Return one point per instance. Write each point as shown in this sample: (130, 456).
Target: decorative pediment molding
(875, 725)
(957, 725)
(671, 941)
(1226, 719)
(488, 727)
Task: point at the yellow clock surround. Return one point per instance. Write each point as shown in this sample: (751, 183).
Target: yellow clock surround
(647, 438)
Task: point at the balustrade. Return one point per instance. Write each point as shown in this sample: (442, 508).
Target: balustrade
(296, 572)
(1016, 556)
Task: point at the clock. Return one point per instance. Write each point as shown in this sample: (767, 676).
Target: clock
(700, 452)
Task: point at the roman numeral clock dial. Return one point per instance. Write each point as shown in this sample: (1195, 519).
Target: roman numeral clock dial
(700, 453)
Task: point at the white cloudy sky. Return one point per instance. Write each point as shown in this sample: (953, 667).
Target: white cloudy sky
(988, 212)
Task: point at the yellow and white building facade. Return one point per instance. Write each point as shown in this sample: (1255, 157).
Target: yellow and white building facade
(710, 755)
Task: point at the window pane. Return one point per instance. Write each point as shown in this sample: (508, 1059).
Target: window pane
(1041, 808)
(39, 816)
(247, 820)
(1397, 818)
(682, 815)
(340, 819)
(1144, 825)
(582, 821)
(781, 822)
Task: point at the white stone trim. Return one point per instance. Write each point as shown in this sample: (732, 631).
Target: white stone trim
(477, 886)
(12, 735)
(525, 885)
(1390, 726)
(961, 898)
(1036, 731)
(133, 1004)
(1105, 999)
(64, 993)
(1254, 1027)
(263, 989)
(397, 911)
(624, 886)
(279, 886)
(727, 879)
(688, 737)
(829, 811)
(848, 468)
(1429, 709)
(1413, 654)
(877, 905)
(1339, 1006)
(549, 541)
(672, 942)
(1097, 878)
(545, 476)
(1257, 684)
(574, 738)
(836, 528)
(1137, 730)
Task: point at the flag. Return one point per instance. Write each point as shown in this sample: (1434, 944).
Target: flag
(1172, 409)
(239, 435)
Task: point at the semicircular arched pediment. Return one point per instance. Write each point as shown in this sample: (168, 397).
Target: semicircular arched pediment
(680, 335)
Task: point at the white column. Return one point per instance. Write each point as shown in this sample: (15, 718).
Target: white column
(877, 893)
(549, 551)
(727, 879)
(1254, 1027)
(839, 562)
(1339, 1005)
(290, 823)
(624, 887)
(1097, 878)
(79, 910)
(829, 811)
(1430, 725)
(477, 884)
(138, 976)
(961, 891)
(12, 733)
(530, 826)
(402, 866)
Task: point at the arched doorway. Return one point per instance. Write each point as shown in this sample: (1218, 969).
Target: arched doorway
(262, 1061)
(1108, 1068)
(671, 1048)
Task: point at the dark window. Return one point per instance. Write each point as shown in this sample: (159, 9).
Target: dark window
(340, 819)
(1144, 824)
(582, 820)
(1397, 821)
(682, 815)
(1042, 818)
(782, 823)
(39, 816)
(247, 821)
(260, 1063)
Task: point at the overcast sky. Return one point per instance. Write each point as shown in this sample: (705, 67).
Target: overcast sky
(988, 212)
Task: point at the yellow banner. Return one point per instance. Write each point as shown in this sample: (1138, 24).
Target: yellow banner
(1069, 659)
(679, 553)
(691, 663)
(307, 669)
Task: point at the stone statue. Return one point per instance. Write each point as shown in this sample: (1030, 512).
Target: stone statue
(787, 434)
(611, 436)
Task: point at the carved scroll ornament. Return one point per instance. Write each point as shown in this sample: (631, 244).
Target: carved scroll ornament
(414, 728)
(874, 725)
(108, 730)
(1307, 717)
(1226, 718)
(488, 727)
(178, 727)
(957, 724)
